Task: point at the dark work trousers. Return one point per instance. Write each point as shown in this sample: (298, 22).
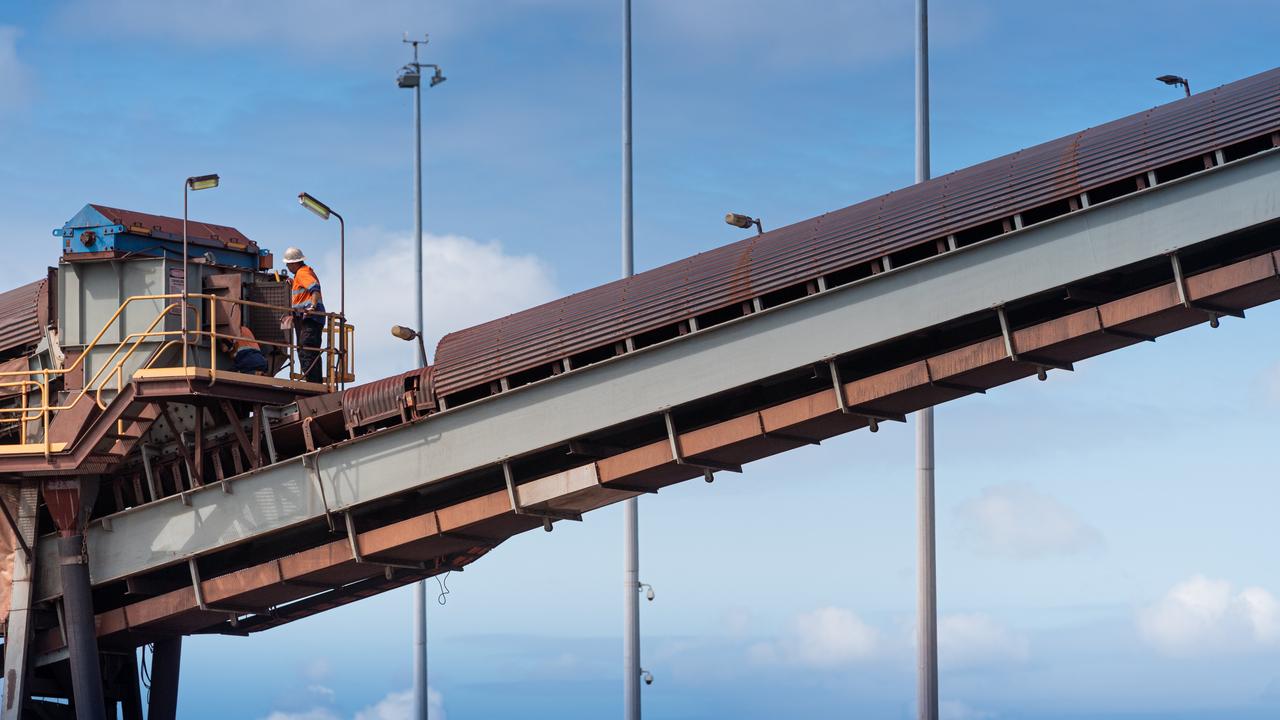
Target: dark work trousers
(310, 336)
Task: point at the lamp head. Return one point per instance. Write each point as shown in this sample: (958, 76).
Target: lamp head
(737, 220)
(1171, 79)
(437, 78)
(314, 206)
(202, 182)
(404, 333)
(409, 77)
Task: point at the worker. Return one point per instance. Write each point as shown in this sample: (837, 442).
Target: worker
(308, 314)
(246, 353)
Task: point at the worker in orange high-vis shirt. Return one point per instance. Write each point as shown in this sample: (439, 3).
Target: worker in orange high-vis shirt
(246, 353)
(308, 314)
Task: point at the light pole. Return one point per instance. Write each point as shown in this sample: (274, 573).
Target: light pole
(199, 182)
(744, 222)
(411, 77)
(1175, 80)
(324, 211)
(927, 583)
(631, 672)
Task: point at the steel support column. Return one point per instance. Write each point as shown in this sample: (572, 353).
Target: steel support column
(131, 705)
(166, 661)
(17, 641)
(82, 637)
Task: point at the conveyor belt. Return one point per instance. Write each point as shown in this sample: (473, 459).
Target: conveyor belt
(361, 515)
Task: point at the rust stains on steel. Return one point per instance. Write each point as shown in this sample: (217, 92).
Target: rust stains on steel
(319, 578)
(24, 314)
(400, 398)
(147, 224)
(1035, 181)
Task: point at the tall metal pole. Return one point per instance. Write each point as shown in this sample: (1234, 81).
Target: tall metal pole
(631, 508)
(186, 187)
(927, 603)
(420, 710)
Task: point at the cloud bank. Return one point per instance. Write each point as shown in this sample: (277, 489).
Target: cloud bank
(1204, 615)
(1017, 521)
(827, 637)
(466, 282)
(395, 706)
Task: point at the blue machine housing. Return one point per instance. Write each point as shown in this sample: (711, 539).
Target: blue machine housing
(99, 229)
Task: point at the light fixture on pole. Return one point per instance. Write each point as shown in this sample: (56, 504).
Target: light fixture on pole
(408, 335)
(198, 182)
(411, 77)
(1176, 80)
(744, 222)
(324, 211)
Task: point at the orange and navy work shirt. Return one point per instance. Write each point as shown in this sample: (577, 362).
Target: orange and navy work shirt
(305, 287)
(246, 341)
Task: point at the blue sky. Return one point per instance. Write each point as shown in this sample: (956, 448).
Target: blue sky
(1105, 539)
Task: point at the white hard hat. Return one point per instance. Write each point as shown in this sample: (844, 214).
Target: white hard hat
(293, 255)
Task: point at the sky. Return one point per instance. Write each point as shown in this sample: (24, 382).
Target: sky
(1105, 539)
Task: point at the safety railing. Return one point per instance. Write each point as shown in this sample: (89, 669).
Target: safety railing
(338, 364)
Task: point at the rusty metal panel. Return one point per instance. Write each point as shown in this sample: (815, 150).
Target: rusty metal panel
(918, 215)
(24, 313)
(404, 395)
(173, 226)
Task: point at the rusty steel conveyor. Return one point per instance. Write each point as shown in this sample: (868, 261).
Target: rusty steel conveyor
(428, 480)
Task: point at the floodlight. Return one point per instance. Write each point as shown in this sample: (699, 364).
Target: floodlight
(202, 182)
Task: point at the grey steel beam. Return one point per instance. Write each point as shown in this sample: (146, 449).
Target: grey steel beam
(905, 300)
(17, 641)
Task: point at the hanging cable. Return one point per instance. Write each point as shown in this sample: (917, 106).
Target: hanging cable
(443, 581)
(146, 672)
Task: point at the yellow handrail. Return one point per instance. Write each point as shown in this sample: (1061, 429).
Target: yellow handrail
(340, 363)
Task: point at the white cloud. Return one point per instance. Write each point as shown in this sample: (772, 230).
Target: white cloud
(822, 638)
(399, 706)
(14, 80)
(1203, 614)
(312, 714)
(395, 706)
(324, 691)
(466, 283)
(1018, 521)
(976, 640)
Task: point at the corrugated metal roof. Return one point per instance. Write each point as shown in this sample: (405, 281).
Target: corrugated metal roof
(24, 312)
(968, 198)
(173, 226)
